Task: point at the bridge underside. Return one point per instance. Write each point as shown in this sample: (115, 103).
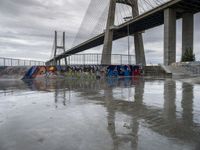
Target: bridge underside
(143, 22)
(127, 2)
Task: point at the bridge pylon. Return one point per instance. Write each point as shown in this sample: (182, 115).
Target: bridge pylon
(108, 38)
(59, 47)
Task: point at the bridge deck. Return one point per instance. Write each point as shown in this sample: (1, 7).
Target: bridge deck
(150, 19)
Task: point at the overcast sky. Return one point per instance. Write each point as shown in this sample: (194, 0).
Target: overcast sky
(27, 28)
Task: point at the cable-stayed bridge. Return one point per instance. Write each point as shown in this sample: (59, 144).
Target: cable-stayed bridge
(109, 20)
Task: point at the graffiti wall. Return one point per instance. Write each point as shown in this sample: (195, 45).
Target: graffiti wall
(90, 72)
(123, 71)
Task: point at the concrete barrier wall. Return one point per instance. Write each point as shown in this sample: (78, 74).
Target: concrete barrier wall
(186, 68)
(157, 71)
(80, 71)
(13, 72)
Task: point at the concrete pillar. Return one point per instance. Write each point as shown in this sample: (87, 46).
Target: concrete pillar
(55, 50)
(169, 36)
(187, 32)
(139, 49)
(108, 38)
(65, 59)
(138, 39)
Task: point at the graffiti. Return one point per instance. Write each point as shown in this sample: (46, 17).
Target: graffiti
(123, 71)
(84, 72)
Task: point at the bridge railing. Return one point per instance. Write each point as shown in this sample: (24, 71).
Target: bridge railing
(19, 62)
(95, 59)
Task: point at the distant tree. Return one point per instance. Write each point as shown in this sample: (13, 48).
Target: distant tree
(188, 56)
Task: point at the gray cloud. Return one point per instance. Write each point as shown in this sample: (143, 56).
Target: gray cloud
(27, 26)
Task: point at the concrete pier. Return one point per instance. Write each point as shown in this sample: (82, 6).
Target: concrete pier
(107, 47)
(169, 36)
(138, 39)
(139, 49)
(57, 47)
(187, 32)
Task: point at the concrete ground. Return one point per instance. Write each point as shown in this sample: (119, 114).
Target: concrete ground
(112, 114)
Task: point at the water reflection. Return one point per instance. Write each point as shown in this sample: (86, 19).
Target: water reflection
(112, 109)
(187, 104)
(170, 101)
(127, 119)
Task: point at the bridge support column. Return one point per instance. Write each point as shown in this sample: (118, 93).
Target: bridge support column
(169, 36)
(138, 39)
(57, 62)
(139, 49)
(188, 32)
(55, 50)
(108, 38)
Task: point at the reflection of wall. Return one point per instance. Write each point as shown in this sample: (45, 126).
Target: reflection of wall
(10, 87)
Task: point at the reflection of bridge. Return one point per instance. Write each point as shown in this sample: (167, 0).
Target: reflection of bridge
(163, 121)
(165, 14)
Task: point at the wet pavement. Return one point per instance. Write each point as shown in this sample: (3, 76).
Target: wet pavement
(114, 114)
